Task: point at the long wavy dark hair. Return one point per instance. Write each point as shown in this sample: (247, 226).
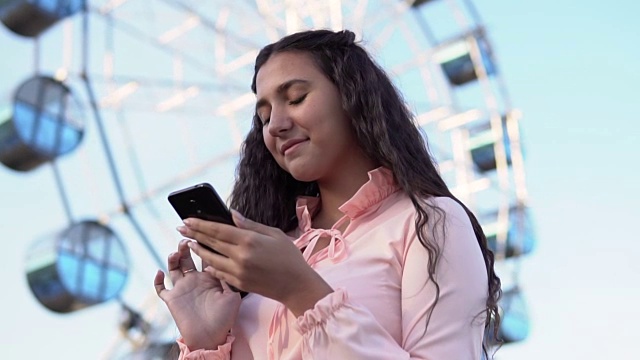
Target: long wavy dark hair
(384, 129)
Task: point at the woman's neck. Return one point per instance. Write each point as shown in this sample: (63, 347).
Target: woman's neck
(336, 191)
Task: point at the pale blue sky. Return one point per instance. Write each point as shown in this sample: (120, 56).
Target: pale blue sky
(571, 68)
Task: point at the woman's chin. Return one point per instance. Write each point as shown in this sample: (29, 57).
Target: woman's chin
(304, 177)
(302, 174)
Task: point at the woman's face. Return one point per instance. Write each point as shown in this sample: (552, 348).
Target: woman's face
(304, 125)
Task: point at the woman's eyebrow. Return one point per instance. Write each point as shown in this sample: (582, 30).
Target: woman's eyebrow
(281, 89)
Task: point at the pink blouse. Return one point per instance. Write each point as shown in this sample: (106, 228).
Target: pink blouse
(382, 297)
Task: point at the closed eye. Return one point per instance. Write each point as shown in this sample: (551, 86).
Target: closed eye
(292, 102)
(298, 100)
(260, 120)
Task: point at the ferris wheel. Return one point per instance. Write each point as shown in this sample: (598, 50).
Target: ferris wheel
(162, 89)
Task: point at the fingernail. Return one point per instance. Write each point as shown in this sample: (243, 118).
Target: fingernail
(191, 245)
(181, 229)
(187, 222)
(237, 215)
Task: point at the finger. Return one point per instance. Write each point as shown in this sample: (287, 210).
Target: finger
(210, 228)
(225, 278)
(217, 283)
(210, 244)
(206, 231)
(203, 264)
(227, 288)
(246, 224)
(227, 249)
(158, 283)
(185, 261)
(202, 230)
(213, 260)
(173, 262)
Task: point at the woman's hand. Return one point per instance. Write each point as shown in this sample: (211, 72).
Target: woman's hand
(203, 308)
(257, 259)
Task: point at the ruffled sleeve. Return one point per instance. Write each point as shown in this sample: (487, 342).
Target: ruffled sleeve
(337, 329)
(323, 310)
(222, 353)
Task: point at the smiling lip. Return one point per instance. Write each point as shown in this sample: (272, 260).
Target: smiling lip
(289, 144)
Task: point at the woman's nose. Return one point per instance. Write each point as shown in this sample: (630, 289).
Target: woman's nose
(279, 123)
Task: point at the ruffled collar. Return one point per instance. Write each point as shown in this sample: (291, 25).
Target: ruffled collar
(379, 187)
(381, 184)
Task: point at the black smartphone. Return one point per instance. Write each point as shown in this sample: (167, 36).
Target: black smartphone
(200, 201)
(203, 202)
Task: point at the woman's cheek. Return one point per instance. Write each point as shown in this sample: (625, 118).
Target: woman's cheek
(270, 143)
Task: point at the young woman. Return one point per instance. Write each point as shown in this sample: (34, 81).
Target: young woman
(348, 241)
